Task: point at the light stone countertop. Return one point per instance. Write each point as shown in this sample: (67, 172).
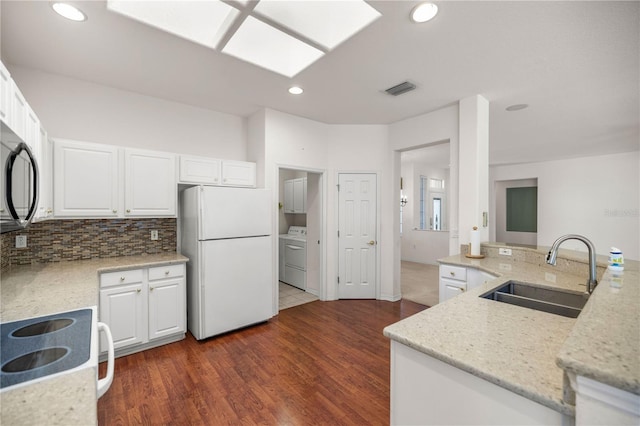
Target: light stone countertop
(42, 289)
(523, 350)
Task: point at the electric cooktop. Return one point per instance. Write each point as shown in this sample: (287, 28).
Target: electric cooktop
(38, 347)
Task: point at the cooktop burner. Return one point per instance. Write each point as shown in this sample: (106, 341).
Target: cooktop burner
(37, 347)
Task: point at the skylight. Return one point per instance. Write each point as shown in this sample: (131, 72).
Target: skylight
(326, 22)
(282, 36)
(203, 21)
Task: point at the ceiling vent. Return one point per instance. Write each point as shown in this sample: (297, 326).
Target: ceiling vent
(401, 88)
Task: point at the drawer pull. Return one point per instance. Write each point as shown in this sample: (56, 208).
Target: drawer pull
(115, 211)
(166, 272)
(122, 278)
(138, 290)
(453, 274)
(150, 288)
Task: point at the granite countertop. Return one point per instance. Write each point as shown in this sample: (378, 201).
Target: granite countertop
(35, 290)
(524, 350)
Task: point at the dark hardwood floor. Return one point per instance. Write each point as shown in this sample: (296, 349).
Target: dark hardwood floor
(318, 363)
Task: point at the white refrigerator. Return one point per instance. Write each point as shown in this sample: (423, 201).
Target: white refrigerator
(226, 234)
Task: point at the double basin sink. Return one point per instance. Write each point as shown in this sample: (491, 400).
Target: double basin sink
(548, 300)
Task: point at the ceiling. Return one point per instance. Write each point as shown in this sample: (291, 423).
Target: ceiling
(576, 64)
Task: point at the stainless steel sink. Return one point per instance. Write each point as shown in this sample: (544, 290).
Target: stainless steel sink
(541, 299)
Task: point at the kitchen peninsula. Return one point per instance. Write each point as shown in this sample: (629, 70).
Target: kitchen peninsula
(474, 360)
(45, 288)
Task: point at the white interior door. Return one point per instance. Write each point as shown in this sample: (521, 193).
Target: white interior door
(357, 241)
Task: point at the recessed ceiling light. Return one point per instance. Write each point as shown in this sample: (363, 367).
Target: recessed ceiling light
(295, 90)
(516, 107)
(424, 12)
(68, 11)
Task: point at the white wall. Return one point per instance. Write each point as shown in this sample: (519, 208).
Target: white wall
(422, 246)
(500, 213)
(437, 126)
(298, 143)
(80, 110)
(597, 197)
(365, 148)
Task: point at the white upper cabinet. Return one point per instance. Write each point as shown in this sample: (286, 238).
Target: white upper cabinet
(19, 111)
(238, 173)
(45, 169)
(150, 183)
(5, 95)
(85, 179)
(211, 171)
(295, 195)
(93, 180)
(199, 170)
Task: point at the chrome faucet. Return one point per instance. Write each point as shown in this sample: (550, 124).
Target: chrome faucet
(592, 282)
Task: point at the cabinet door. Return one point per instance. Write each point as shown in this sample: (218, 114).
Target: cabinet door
(476, 278)
(238, 173)
(45, 166)
(150, 183)
(85, 179)
(304, 195)
(167, 307)
(199, 170)
(281, 268)
(5, 95)
(19, 109)
(298, 195)
(123, 309)
(288, 196)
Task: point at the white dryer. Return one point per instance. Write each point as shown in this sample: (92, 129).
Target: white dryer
(293, 257)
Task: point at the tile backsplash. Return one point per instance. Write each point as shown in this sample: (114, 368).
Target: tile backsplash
(75, 239)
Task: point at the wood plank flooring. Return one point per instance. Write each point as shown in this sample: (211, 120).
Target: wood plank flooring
(318, 363)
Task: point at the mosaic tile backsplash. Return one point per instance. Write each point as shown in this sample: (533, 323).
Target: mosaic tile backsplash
(76, 239)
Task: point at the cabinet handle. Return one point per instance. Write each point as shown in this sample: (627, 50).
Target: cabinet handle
(150, 288)
(138, 290)
(128, 210)
(453, 274)
(115, 211)
(122, 278)
(49, 211)
(166, 272)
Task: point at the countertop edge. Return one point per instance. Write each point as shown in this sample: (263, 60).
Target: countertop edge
(554, 404)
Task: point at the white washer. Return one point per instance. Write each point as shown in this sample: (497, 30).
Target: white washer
(293, 257)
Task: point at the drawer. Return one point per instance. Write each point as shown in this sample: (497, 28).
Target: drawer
(130, 276)
(453, 272)
(168, 271)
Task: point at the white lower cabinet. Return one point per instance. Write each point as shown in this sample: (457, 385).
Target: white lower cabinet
(144, 307)
(427, 391)
(455, 280)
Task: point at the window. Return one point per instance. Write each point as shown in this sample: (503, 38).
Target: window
(432, 203)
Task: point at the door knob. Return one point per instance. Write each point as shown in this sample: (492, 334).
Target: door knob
(372, 243)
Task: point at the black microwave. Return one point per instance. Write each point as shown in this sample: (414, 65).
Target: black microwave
(19, 182)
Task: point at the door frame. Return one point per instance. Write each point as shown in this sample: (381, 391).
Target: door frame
(378, 268)
(323, 231)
